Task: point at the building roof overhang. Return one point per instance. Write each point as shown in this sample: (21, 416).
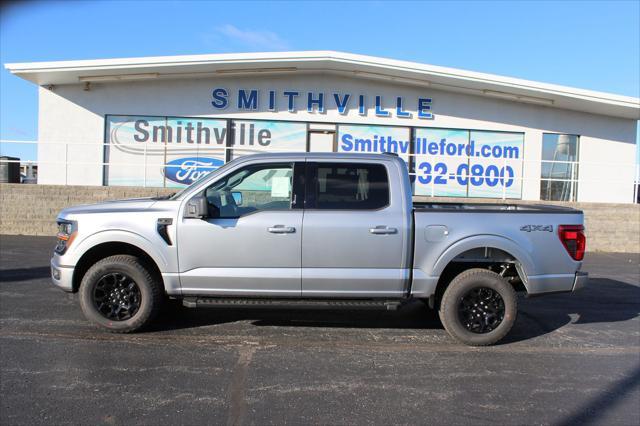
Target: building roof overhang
(329, 62)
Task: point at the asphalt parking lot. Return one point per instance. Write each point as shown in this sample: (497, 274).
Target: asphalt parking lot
(570, 359)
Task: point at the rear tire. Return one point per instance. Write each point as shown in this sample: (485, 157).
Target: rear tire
(119, 294)
(478, 307)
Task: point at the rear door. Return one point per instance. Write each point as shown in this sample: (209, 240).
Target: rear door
(354, 239)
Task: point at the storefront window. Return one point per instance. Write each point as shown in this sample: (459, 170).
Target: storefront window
(559, 178)
(464, 163)
(162, 151)
(176, 151)
(253, 136)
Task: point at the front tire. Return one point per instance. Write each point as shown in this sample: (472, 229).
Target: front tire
(478, 307)
(119, 294)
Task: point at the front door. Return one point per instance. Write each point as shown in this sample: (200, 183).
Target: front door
(251, 243)
(354, 233)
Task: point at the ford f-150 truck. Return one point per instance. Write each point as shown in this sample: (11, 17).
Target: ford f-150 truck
(314, 229)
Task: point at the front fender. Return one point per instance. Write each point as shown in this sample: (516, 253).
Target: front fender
(72, 257)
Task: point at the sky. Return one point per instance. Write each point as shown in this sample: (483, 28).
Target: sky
(591, 45)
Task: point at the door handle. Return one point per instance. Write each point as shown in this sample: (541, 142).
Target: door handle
(383, 230)
(281, 229)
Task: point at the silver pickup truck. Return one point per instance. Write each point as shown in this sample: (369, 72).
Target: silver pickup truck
(309, 230)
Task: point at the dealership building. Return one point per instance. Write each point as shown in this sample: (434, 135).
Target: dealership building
(164, 121)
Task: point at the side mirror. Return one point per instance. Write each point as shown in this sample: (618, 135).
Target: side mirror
(237, 197)
(196, 207)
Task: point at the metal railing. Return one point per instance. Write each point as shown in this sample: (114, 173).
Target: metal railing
(243, 150)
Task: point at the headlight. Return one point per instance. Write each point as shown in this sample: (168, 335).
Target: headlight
(67, 230)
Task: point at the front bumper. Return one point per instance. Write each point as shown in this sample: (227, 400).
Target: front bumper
(61, 276)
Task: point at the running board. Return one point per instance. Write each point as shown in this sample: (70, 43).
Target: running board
(229, 302)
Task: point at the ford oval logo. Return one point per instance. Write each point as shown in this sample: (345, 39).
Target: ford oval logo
(190, 169)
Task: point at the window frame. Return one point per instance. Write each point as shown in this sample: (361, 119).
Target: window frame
(311, 179)
(574, 166)
(297, 186)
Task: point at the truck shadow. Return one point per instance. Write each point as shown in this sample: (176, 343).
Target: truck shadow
(601, 301)
(413, 316)
(25, 274)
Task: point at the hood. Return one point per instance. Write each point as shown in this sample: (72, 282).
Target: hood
(129, 205)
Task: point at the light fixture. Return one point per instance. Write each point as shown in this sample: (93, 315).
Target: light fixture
(255, 70)
(119, 77)
(386, 77)
(521, 98)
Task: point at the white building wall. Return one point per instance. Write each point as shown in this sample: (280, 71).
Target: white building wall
(69, 113)
(62, 121)
(607, 170)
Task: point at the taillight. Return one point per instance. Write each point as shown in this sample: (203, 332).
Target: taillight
(573, 239)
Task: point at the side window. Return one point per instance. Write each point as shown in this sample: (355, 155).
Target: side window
(352, 186)
(253, 188)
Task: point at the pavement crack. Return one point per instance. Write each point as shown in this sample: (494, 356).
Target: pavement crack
(238, 387)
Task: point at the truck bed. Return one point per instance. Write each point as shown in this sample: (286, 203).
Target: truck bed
(491, 208)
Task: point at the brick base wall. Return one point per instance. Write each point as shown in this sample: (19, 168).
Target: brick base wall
(32, 209)
(609, 227)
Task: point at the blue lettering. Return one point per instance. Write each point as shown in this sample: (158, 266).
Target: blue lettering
(400, 113)
(510, 152)
(319, 102)
(341, 104)
(392, 145)
(418, 145)
(433, 148)
(250, 100)
(471, 148)
(347, 142)
(424, 108)
(220, 100)
(247, 102)
(426, 173)
(510, 176)
(363, 145)
(292, 100)
(451, 149)
(380, 112)
(272, 100)
(404, 146)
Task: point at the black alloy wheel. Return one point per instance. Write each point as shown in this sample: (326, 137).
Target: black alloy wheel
(117, 296)
(481, 310)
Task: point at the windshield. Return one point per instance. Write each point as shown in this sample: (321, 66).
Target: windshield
(201, 179)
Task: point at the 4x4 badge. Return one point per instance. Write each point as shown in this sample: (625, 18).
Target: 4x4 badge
(531, 228)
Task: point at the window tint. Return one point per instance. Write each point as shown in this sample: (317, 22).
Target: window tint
(352, 186)
(253, 188)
